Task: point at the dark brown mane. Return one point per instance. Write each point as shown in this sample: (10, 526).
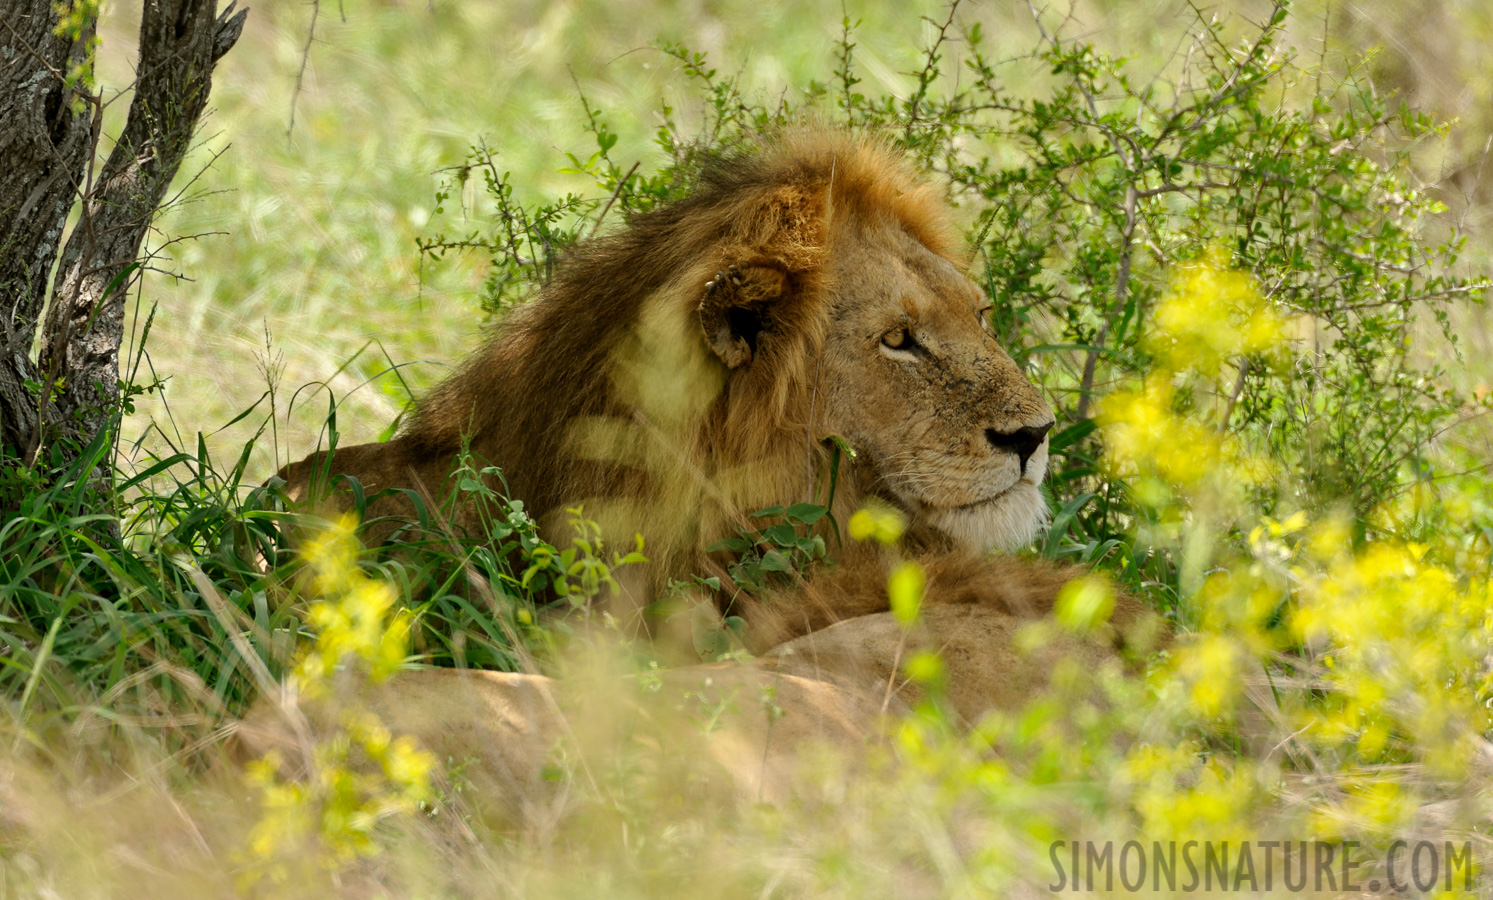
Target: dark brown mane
(560, 396)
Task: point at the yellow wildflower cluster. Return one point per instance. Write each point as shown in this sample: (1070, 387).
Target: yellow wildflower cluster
(905, 586)
(1365, 662)
(359, 777)
(1211, 315)
(1168, 436)
(907, 581)
(352, 618)
(1403, 645)
(1369, 666)
(1182, 793)
(880, 523)
(360, 774)
(1085, 604)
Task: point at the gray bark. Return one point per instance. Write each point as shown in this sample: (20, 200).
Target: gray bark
(46, 139)
(46, 151)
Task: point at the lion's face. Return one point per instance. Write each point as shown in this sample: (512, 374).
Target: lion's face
(915, 381)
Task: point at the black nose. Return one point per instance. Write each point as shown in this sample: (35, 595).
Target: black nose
(1023, 442)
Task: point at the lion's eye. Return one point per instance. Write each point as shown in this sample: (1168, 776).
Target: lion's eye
(901, 339)
(984, 317)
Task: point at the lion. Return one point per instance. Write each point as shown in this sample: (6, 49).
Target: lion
(799, 328)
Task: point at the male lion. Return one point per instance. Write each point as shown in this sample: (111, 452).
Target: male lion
(709, 359)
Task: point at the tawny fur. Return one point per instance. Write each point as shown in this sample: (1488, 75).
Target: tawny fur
(1019, 588)
(696, 366)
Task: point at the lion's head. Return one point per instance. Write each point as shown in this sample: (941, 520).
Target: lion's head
(914, 379)
(706, 360)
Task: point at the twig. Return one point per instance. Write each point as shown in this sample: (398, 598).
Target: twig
(613, 199)
(300, 74)
(1122, 291)
(930, 70)
(1228, 408)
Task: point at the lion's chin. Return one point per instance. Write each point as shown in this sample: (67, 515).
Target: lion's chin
(1008, 522)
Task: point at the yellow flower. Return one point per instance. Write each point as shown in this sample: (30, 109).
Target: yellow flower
(905, 589)
(1085, 603)
(881, 523)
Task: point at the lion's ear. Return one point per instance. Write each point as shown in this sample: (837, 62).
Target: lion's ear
(738, 307)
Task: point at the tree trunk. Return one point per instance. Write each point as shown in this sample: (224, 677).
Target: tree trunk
(46, 139)
(49, 130)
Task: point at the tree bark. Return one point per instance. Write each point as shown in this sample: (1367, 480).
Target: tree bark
(46, 139)
(48, 135)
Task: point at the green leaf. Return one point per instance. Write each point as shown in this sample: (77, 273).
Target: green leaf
(1071, 435)
(806, 513)
(783, 535)
(731, 545)
(774, 561)
(1063, 521)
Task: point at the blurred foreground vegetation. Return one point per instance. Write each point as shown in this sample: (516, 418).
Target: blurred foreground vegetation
(1229, 253)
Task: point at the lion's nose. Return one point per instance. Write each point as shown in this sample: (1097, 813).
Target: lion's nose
(1024, 441)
